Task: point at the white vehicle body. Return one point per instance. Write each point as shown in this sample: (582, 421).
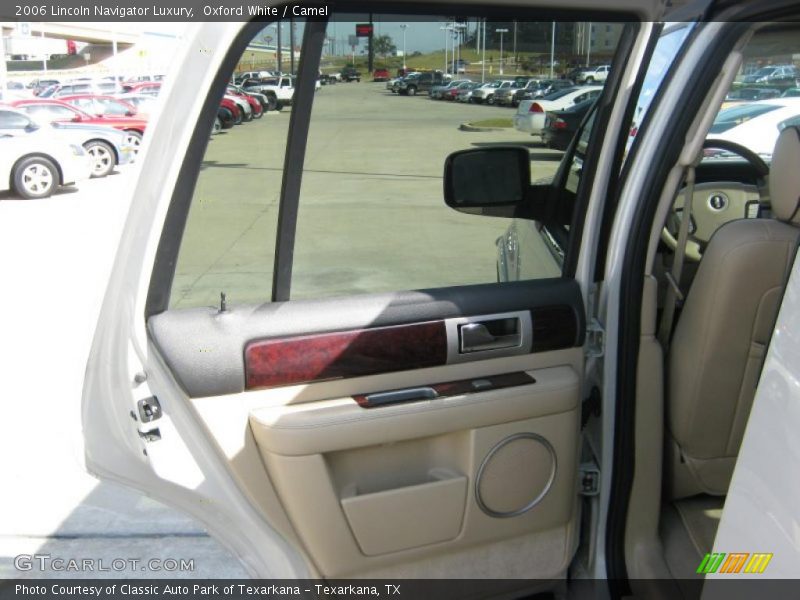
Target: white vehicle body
(178, 461)
(113, 140)
(532, 122)
(282, 88)
(593, 75)
(760, 132)
(70, 158)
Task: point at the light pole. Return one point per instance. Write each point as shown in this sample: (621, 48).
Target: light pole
(404, 27)
(459, 31)
(483, 51)
(588, 44)
(501, 32)
(552, 49)
(446, 29)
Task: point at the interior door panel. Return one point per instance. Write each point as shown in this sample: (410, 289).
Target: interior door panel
(395, 433)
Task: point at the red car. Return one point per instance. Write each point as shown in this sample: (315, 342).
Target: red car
(134, 126)
(148, 88)
(233, 109)
(105, 106)
(258, 110)
(380, 75)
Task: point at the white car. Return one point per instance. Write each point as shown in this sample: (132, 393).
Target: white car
(35, 166)
(530, 114)
(108, 147)
(593, 74)
(756, 125)
(539, 436)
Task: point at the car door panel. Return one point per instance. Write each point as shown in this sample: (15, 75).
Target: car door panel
(499, 436)
(295, 464)
(204, 347)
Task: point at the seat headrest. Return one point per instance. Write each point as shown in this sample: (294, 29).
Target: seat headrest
(784, 176)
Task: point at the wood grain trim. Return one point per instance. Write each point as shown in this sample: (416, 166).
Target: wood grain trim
(339, 355)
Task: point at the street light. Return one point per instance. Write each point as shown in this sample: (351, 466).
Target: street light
(446, 28)
(404, 27)
(458, 30)
(501, 32)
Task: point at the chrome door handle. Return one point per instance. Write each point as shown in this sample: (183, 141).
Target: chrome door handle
(476, 337)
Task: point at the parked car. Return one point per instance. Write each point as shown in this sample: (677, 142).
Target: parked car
(452, 93)
(240, 78)
(749, 95)
(420, 83)
(37, 85)
(233, 108)
(35, 166)
(255, 102)
(465, 93)
(380, 75)
(134, 127)
(530, 114)
(593, 74)
(279, 91)
(107, 147)
(756, 125)
(504, 96)
(393, 85)
(485, 93)
(350, 74)
(773, 74)
(560, 126)
(82, 87)
(437, 92)
(102, 106)
(145, 105)
(148, 88)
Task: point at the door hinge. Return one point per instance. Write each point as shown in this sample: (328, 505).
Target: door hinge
(595, 339)
(589, 479)
(149, 409)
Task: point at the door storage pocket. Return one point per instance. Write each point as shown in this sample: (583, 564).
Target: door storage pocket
(407, 517)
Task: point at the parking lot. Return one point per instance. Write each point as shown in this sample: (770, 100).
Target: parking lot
(372, 216)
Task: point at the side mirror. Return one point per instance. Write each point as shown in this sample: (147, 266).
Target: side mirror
(130, 113)
(494, 182)
(76, 119)
(31, 126)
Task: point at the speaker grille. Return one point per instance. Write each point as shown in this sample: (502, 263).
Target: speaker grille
(515, 475)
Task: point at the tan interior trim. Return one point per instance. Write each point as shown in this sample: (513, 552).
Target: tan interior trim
(340, 424)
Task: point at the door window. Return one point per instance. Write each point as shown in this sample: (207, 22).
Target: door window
(371, 216)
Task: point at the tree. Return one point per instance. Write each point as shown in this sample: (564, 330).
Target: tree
(383, 45)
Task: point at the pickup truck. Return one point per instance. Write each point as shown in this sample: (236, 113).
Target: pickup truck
(279, 89)
(593, 74)
(416, 83)
(349, 74)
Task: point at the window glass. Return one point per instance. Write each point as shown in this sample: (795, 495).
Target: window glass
(731, 117)
(229, 240)
(109, 107)
(371, 214)
(13, 120)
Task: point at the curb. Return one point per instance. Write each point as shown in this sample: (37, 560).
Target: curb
(474, 128)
